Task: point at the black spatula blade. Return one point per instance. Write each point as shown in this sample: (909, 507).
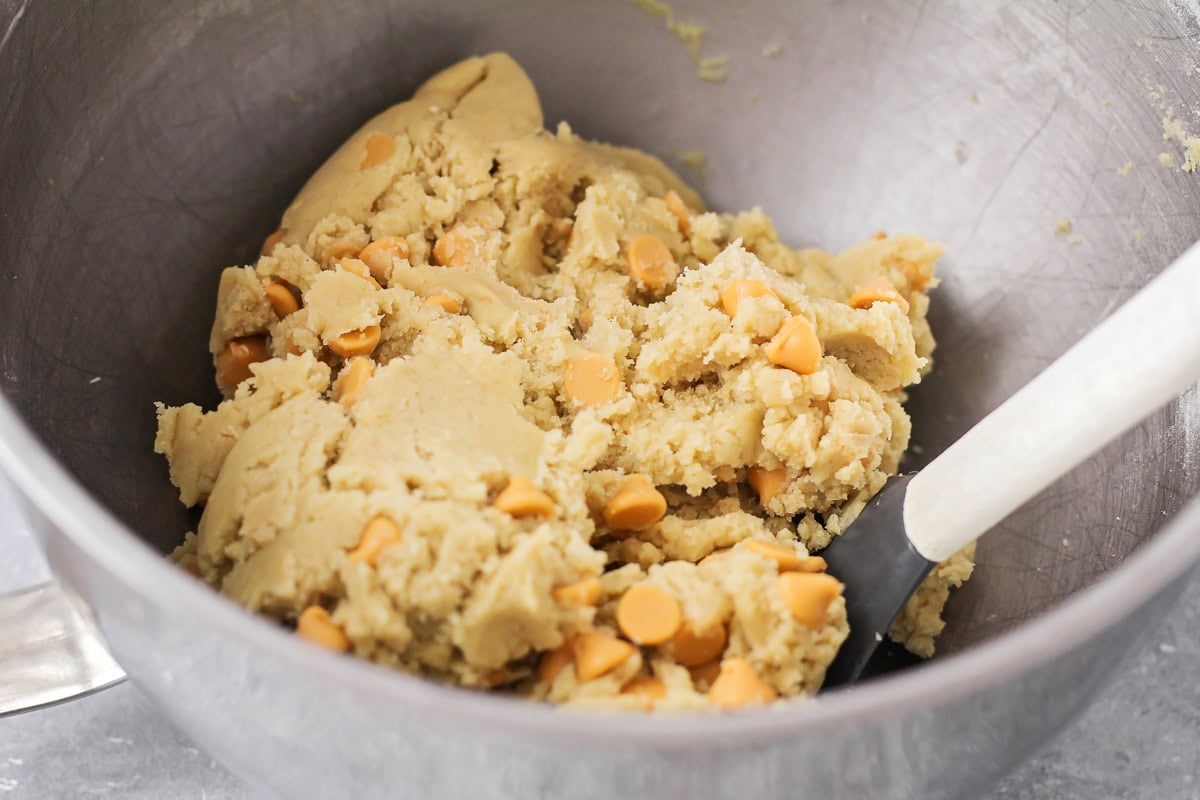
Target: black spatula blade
(880, 570)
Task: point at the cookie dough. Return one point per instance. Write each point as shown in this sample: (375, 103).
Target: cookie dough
(510, 409)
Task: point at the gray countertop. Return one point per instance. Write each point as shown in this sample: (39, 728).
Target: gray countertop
(1141, 741)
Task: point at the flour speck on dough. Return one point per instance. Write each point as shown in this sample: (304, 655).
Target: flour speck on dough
(513, 410)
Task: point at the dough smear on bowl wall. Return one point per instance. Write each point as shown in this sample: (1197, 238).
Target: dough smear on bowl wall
(513, 410)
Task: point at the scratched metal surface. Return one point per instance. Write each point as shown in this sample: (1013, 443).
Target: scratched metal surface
(145, 145)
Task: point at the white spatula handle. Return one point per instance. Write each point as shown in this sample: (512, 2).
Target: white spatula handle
(1142, 356)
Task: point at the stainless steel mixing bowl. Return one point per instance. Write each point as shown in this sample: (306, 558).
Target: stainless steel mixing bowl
(143, 145)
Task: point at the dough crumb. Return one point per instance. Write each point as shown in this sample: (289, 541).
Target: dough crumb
(772, 49)
(691, 35)
(694, 163)
(1166, 159)
(1174, 130)
(1062, 225)
(713, 69)
(1125, 170)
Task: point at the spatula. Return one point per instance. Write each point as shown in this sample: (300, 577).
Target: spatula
(1142, 356)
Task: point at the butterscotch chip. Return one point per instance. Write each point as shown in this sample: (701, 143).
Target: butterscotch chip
(767, 482)
(737, 291)
(809, 595)
(880, 290)
(268, 245)
(796, 347)
(233, 362)
(648, 615)
(315, 626)
(597, 654)
(584, 593)
(360, 342)
(637, 505)
(651, 262)
(522, 499)
(282, 301)
(677, 207)
(379, 533)
(379, 148)
(694, 647)
(555, 661)
(591, 379)
(738, 686)
(647, 688)
(355, 374)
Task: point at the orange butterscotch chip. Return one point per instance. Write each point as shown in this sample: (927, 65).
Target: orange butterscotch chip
(651, 262)
(808, 595)
(234, 360)
(352, 378)
(268, 245)
(880, 290)
(378, 255)
(705, 674)
(636, 505)
(767, 482)
(454, 248)
(282, 301)
(338, 250)
(555, 661)
(361, 342)
(581, 593)
(738, 686)
(812, 564)
(358, 268)
(679, 208)
(378, 534)
(738, 290)
(647, 688)
(785, 558)
(591, 378)
(918, 279)
(315, 626)
(380, 148)
(451, 305)
(648, 614)
(597, 654)
(694, 647)
(522, 499)
(795, 346)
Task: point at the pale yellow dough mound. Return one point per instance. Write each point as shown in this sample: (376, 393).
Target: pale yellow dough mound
(529, 333)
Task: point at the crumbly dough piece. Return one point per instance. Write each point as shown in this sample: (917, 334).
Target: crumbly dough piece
(505, 281)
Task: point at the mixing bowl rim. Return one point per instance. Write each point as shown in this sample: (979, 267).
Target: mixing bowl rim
(112, 545)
